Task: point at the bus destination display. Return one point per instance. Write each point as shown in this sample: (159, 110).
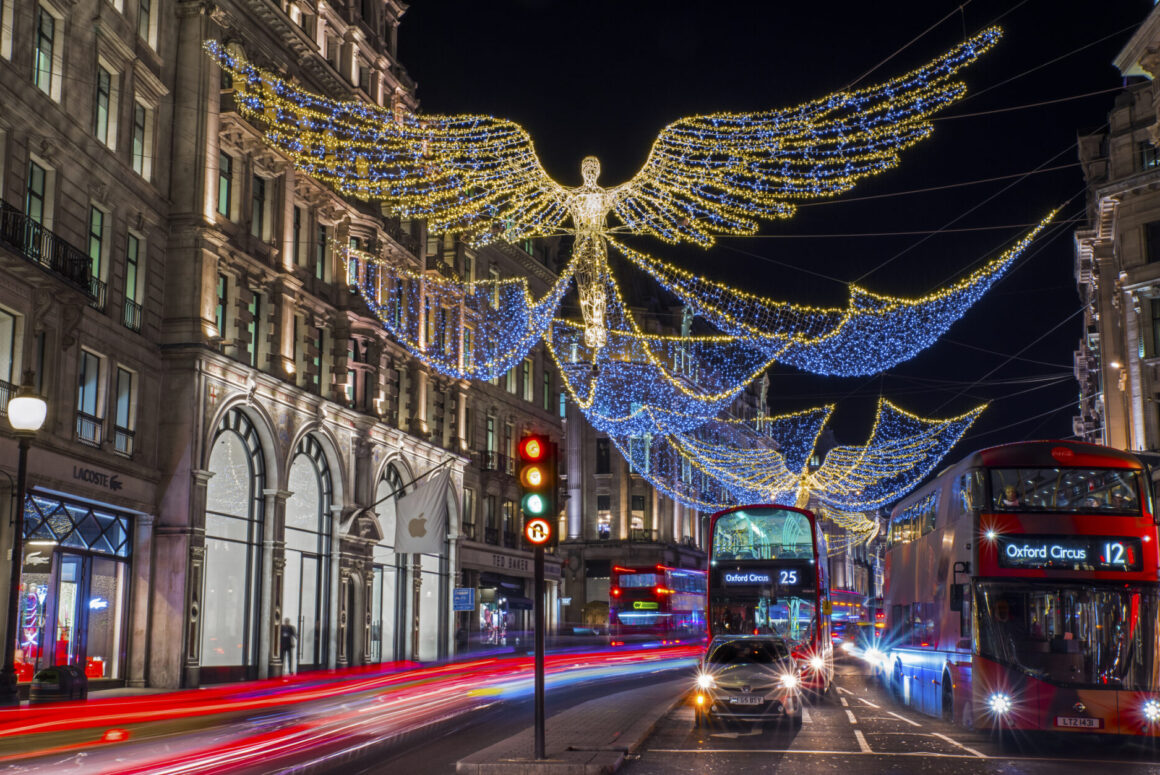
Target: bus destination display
(1069, 552)
(784, 577)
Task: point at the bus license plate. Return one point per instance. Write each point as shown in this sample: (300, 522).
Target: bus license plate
(1073, 721)
(747, 699)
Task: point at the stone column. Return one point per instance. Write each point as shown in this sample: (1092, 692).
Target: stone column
(273, 559)
(141, 573)
(462, 431)
(191, 274)
(343, 618)
(573, 437)
(417, 377)
(336, 632)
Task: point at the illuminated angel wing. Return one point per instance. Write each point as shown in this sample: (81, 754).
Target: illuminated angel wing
(718, 174)
(477, 175)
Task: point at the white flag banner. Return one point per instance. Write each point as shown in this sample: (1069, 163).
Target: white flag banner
(421, 516)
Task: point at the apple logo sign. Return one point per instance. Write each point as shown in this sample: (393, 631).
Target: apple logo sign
(418, 526)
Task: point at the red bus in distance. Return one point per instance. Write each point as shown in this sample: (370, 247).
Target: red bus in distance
(656, 602)
(1022, 593)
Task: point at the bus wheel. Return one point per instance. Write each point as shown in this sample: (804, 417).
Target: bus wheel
(896, 680)
(948, 699)
(796, 719)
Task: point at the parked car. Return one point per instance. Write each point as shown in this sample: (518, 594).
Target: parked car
(748, 677)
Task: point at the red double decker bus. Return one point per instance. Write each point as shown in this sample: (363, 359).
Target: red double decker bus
(656, 602)
(1022, 592)
(768, 576)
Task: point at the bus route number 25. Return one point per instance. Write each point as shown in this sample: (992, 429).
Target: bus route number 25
(787, 577)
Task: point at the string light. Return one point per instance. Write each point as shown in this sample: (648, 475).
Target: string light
(467, 330)
(727, 462)
(872, 333)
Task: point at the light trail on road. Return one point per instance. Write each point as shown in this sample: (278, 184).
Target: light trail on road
(274, 724)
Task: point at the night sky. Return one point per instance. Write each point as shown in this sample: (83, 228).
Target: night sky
(603, 77)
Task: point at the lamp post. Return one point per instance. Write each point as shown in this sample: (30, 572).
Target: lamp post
(26, 413)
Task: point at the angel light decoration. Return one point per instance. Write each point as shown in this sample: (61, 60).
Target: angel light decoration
(705, 177)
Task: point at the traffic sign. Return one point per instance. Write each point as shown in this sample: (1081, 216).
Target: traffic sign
(463, 599)
(538, 531)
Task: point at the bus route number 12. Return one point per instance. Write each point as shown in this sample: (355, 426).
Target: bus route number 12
(787, 577)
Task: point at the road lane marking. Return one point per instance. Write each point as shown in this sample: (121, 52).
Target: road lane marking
(862, 741)
(887, 754)
(806, 717)
(844, 703)
(960, 745)
(799, 752)
(850, 713)
(904, 718)
(845, 691)
(872, 705)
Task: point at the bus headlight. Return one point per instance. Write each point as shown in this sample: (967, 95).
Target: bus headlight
(1152, 711)
(818, 664)
(705, 681)
(875, 656)
(788, 681)
(1000, 704)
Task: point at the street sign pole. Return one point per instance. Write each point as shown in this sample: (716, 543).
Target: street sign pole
(539, 624)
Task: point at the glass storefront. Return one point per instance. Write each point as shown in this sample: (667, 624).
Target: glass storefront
(389, 604)
(393, 588)
(233, 532)
(74, 587)
(307, 573)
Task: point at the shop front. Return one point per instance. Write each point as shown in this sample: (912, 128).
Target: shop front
(74, 592)
(504, 598)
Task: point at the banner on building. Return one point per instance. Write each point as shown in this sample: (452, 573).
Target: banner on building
(421, 516)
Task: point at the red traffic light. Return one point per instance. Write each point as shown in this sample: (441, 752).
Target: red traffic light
(532, 448)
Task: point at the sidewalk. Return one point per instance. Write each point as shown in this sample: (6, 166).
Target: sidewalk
(588, 739)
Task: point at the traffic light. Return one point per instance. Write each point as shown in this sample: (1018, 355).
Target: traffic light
(538, 477)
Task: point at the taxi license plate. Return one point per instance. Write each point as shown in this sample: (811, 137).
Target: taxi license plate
(1084, 723)
(747, 699)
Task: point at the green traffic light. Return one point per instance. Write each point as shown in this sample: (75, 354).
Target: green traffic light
(534, 504)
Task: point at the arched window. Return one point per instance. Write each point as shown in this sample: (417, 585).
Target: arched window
(389, 601)
(233, 534)
(307, 575)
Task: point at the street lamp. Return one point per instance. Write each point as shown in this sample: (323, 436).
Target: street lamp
(26, 413)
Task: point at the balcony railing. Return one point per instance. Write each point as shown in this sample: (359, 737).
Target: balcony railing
(7, 390)
(639, 534)
(123, 441)
(131, 315)
(491, 535)
(45, 249)
(495, 461)
(469, 531)
(509, 540)
(89, 429)
(98, 291)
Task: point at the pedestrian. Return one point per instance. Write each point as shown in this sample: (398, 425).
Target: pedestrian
(289, 638)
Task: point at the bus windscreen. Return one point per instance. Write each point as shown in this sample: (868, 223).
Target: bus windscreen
(1085, 490)
(763, 534)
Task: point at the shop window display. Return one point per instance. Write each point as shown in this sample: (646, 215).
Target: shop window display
(74, 587)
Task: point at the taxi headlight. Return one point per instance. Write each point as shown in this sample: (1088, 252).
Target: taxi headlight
(788, 681)
(1152, 711)
(705, 681)
(818, 664)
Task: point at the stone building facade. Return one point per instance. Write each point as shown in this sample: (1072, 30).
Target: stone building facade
(1117, 260)
(229, 427)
